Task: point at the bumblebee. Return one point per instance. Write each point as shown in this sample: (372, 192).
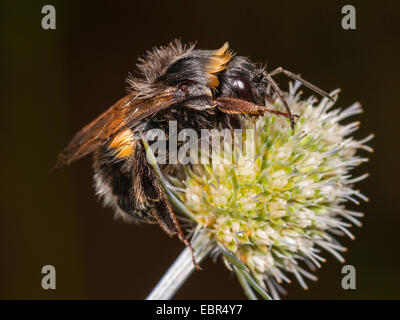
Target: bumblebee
(199, 89)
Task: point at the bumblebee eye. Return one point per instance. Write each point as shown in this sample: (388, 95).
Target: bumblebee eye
(242, 88)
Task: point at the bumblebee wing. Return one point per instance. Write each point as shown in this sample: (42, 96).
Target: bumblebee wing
(124, 112)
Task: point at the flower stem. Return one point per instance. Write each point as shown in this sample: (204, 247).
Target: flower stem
(182, 268)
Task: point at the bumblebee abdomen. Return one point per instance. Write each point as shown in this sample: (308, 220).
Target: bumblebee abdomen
(113, 176)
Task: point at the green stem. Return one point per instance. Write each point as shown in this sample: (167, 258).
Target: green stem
(182, 268)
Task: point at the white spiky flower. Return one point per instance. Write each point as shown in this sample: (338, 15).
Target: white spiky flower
(273, 214)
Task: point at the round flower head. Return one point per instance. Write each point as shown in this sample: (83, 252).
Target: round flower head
(273, 211)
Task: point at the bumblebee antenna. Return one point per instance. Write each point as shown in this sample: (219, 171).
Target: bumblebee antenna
(269, 75)
(300, 79)
(281, 96)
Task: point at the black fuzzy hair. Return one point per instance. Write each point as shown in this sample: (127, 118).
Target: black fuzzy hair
(154, 64)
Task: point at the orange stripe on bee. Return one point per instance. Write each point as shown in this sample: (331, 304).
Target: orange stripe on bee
(217, 62)
(123, 143)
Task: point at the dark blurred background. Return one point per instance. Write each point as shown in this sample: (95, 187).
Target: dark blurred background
(56, 81)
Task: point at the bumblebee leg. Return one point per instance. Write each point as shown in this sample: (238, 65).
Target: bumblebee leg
(147, 180)
(239, 106)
